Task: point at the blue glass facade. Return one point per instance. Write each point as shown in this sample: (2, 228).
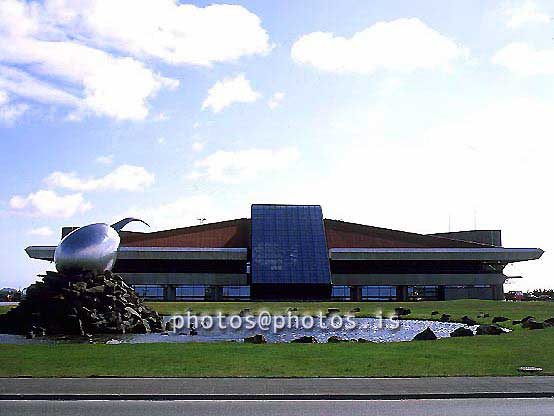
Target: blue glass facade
(288, 245)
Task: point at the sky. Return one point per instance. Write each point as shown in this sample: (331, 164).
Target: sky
(423, 116)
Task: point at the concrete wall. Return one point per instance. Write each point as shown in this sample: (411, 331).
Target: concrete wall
(487, 293)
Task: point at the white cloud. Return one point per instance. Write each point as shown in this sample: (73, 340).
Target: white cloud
(523, 13)
(41, 231)
(196, 125)
(228, 91)
(197, 146)
(123, 178)
(161, 140)
(275, 100)
(49, 204)
(164, 29)
(522, 59)
(104, 160)
(92, 52)
(243, 165)
(10, 112)
(402, 45)
(182, 212)
(23, 85)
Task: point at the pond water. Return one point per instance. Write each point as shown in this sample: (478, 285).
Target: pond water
(370, 329)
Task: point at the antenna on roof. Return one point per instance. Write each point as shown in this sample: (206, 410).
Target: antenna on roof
(201, 220)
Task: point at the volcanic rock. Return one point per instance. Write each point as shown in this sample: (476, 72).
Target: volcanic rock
(334, 339)
(78, 305)
(548, 323)
(468, 321)
(499, 319)
(255, 339)
(305, 340)
(444, 318)
(425, 335)
(532, 324)
(489, 330)
(402, 311)
(461, 332)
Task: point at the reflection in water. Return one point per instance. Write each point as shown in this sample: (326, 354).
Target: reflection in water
(371, 329)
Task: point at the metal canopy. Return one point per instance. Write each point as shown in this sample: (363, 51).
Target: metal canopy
(503, 255)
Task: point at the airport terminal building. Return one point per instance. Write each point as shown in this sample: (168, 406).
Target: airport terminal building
(290, 252)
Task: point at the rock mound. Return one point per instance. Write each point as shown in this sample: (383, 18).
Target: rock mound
(80, 305)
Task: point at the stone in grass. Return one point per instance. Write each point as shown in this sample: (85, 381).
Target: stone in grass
(255, 339)
(461, 332)
(489, 330)
(334, 339)
(532, 324)
(527, 369)
(305, 339)
(402, 311)
(425, 335)
(549, 323)
(355, 310)
(434, 313)
(499, 319)
(468, 321)
(444, 318)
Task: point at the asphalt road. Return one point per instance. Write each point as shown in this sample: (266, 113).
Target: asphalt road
(454, 407)
(280, 388)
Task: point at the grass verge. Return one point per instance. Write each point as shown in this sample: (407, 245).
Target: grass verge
(473, 356)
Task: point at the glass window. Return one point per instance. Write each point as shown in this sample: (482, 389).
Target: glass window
(236, 292)
(191, 292)
(378, 292)
(151, 292)
(423, 293)
(288, 245)
(341, 292)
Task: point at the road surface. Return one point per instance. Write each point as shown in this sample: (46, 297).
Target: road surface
(441, 407)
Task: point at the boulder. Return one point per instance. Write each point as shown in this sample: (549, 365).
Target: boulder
(532, 324)
(425, 335)
(402, 311)
(548, 323)
(499, 319)
(255, 339)
(433, 313)
(489, 330)
(461, 332)
(334, 339)
(305, 339)
(468, 321)
(355, 310)
(444, 318)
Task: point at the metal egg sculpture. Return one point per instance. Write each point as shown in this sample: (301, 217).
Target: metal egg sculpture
(92, 248)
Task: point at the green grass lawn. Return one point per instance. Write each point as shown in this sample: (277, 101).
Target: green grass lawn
(4, 309)
(474, 356)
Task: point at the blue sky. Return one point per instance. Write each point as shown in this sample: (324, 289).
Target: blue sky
(411, 115)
